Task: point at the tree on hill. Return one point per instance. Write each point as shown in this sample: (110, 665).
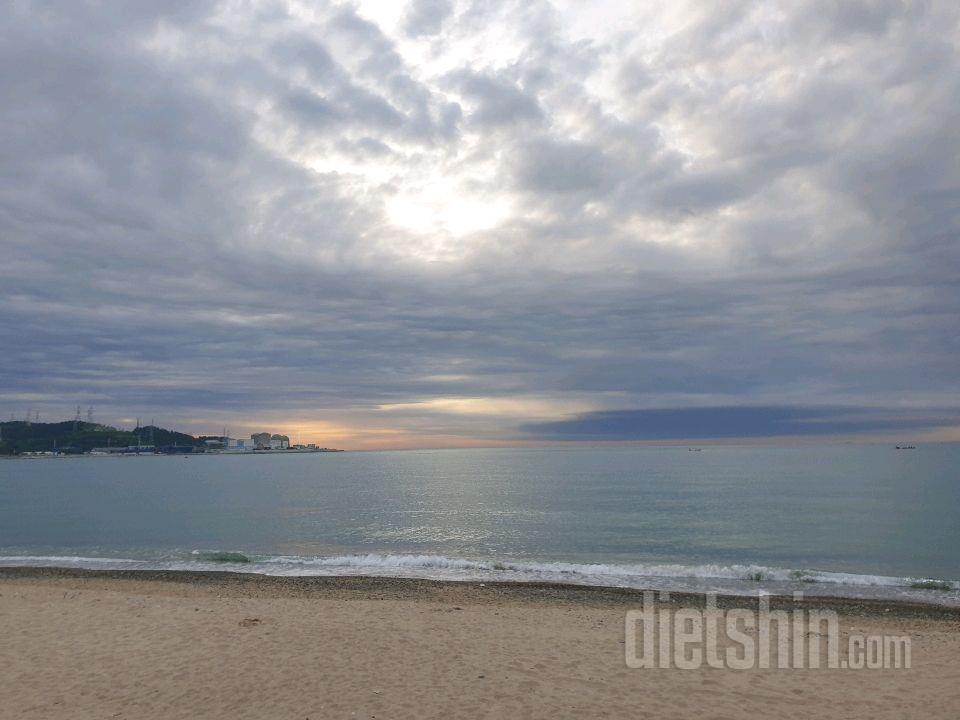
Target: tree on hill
(20, 436)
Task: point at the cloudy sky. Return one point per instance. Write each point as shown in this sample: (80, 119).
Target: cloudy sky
(476, 222)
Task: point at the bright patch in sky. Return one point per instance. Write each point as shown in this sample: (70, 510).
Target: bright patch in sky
(413, 222)
(439, 206)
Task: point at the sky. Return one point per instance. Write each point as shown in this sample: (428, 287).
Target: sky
(454, 223)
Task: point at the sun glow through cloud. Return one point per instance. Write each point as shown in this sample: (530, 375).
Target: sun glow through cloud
(407, 223)
(436, 207)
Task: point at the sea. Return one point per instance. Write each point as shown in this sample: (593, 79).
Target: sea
(866, 521)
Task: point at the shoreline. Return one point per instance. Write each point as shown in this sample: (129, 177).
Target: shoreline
(180, 645)
(367, 587)
(76, 456)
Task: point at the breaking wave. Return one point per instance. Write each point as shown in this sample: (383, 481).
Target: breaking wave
(731, 579)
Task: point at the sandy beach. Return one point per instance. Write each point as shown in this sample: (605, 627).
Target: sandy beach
(177, 645)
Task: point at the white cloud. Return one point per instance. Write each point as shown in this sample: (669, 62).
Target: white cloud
(345, 206)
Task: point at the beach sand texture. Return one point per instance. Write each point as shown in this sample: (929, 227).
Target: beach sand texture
(86, 646)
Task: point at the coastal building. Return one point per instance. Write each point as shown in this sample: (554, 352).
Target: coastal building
(266, 441)
(257, 441)
(261, 440)
(140, 450)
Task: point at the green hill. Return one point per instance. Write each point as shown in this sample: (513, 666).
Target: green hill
(19, 436)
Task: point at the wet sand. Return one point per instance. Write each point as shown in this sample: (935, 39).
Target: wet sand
(132, 644)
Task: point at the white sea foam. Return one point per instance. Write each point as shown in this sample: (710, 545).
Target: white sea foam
(755, 573)
(67, 561)
(734, 579)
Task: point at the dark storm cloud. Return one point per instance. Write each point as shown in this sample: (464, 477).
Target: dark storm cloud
(749, 225)
(699, 423)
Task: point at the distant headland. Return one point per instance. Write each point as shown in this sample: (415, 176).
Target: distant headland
(74, 437)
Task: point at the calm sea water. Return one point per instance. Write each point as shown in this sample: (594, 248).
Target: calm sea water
(849, 520)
